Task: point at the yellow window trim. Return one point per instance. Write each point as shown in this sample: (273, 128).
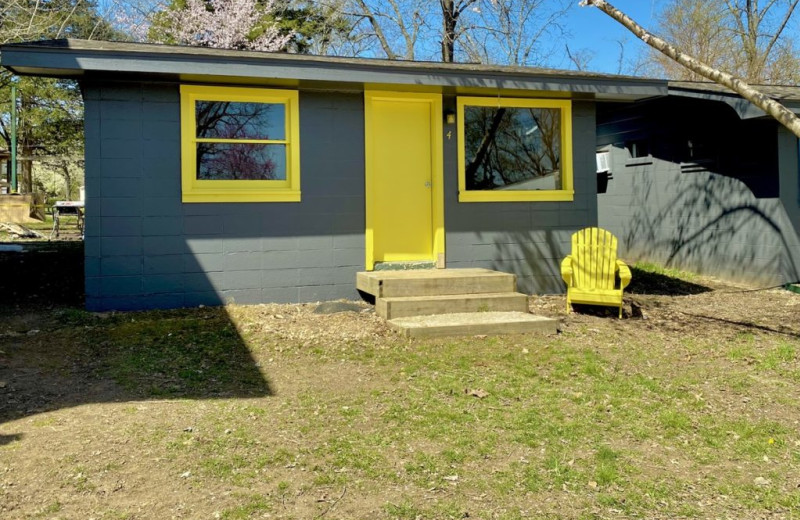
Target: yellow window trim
(194, 190)
(567, 192)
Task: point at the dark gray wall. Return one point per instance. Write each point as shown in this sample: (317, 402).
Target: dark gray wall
(526, 238)
(730, 211)
(145, 249)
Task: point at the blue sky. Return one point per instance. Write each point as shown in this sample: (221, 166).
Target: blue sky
(590, 28)
(593, 29)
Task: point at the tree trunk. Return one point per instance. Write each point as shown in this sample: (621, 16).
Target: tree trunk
(25, 175)
(483, 148)
(449, 20)
(67, 179)
(784, 116)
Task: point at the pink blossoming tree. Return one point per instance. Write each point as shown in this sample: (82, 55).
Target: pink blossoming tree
(226, 24)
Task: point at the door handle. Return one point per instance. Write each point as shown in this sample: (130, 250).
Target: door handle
(427, 184)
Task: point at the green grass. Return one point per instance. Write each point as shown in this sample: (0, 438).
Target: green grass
(173, 354)
(653, 268)
(251, 506)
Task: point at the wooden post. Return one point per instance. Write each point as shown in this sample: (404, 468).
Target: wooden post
(13, 138)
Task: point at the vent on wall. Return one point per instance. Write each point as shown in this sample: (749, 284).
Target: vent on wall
(603, 162)
(603, 170)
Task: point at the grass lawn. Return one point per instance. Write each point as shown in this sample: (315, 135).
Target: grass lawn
(689, 410)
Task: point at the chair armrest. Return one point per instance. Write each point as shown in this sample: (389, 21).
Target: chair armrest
(566, 270)
(624, 274)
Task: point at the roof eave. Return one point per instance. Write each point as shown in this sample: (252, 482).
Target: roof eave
(175, 64)
(744, 108)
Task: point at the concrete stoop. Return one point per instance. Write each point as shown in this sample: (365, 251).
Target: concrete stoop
(451, 302)
(473, 323)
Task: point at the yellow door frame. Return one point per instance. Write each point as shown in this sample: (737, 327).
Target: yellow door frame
(437, 170)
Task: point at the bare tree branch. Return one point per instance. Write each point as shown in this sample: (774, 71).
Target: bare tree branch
(783, 115)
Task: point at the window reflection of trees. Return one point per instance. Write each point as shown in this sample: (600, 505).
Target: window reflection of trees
(508, 146)
(245, 161)
(239, 161)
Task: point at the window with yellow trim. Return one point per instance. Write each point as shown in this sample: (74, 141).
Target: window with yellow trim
(239, 144)
(514, 150)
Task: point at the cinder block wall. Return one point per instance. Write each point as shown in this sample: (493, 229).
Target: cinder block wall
(734, 218)
(145, 249)
(526, 238)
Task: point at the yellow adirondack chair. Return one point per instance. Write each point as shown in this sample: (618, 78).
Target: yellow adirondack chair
(590, 272)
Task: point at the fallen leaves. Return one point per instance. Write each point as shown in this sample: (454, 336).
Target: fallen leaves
(480, 393)
(761, 482)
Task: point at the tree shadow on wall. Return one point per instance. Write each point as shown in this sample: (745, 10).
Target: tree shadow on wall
(536, 257)
(712, 224)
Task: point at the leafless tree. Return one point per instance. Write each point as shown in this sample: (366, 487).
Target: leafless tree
(749, 40)
(776, 110)
(395, 24)
(487, 31)
(513, 32)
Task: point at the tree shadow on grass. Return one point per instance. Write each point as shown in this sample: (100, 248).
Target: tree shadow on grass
(45, 273)
(8, 439)
(57, 358)
(643, 282)
(55, 355)
(658, 284)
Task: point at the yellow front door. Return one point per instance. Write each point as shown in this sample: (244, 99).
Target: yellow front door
(403, 185)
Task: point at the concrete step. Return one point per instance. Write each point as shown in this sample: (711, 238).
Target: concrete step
(473, 323)
(434, 282)
(404, 306)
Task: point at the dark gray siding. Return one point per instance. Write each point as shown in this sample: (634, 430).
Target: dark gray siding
(525, 238)
(729, 211)
(145, 249)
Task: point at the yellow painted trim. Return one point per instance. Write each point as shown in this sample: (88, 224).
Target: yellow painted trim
(565, 194)
(437, 176)
(437, 170)
(194, 190)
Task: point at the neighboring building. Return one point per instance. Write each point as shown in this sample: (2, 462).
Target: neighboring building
(5, 168)
(704, 181)
(216, 176)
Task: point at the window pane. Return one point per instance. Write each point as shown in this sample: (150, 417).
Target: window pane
(228, 161)
(227, 120)
(512, 148)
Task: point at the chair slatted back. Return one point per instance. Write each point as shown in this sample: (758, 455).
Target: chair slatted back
(594, 254)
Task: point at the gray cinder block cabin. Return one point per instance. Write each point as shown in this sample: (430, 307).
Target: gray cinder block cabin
(702, 180)
(217, 176)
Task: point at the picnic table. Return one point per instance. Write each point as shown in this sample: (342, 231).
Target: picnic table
(63, 208)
